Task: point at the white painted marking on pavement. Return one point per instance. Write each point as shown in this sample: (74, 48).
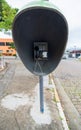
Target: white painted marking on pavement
(61, 113)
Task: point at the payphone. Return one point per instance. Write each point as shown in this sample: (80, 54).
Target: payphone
(40, 51)
(40, 34)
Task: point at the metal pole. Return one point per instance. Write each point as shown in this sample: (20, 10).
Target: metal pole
(41, 94)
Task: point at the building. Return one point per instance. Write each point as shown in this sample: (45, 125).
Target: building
(75, 53)
(5, 45)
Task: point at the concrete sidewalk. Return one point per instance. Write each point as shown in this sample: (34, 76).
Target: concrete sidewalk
(19, 104)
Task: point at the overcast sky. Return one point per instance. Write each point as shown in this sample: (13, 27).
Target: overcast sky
(71, 10)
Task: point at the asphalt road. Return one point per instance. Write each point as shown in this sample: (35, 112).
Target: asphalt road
(67, 77)
(69, 74)
(68, 68)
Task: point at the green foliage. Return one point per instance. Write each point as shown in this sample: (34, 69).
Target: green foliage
(7, 15)
(0, 10)
(12, 46)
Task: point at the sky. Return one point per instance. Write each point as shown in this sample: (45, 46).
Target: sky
(71, 9)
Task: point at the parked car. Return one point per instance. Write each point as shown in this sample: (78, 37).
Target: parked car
(79, 57)
(65, 56)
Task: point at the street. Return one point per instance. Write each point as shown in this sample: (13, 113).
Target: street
(69, 74)
(67, 78)
(69, 68)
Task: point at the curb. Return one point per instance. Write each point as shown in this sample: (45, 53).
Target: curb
(72, 115)
(59, 106)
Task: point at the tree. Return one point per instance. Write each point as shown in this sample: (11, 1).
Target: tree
(0, 10)
(7, 15)
(12, 46)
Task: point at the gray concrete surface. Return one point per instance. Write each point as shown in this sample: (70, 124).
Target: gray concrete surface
(68, 74)
(16, 80)
(71, 113)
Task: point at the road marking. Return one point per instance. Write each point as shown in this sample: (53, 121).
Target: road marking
(61, 113)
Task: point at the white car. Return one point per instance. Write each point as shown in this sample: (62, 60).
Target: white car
(65, 56)
(79, 57)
